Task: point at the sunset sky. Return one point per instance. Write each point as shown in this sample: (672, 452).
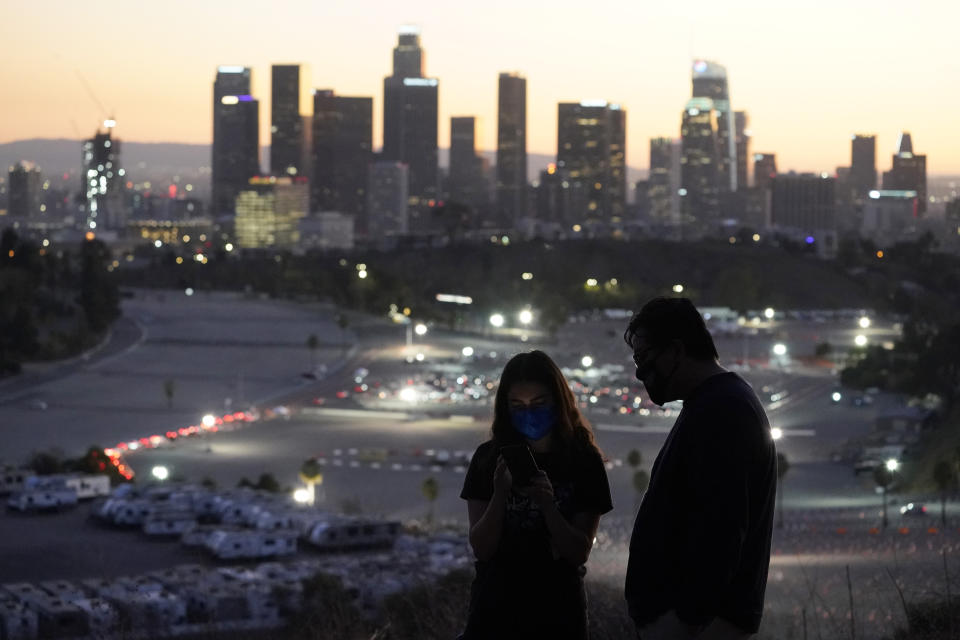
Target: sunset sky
(809, 74)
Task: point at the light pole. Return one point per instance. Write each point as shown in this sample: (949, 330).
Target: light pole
(883, 476)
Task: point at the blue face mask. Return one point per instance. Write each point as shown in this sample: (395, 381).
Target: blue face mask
(534, 423)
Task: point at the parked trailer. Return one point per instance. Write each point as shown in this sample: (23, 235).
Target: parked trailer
(89, 486)
(346, 533)
(12, 480)
(42, 499)
(18, 621)
(252, 544)
(168, 522)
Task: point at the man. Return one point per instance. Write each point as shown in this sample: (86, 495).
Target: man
(700, 547)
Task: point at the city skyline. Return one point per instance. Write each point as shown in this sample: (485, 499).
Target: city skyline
(809, 79)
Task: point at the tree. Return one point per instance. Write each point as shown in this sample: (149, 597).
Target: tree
(783, 465)
(169, 387)
(883, 478)
(312, 344)
(634, 458)
(430, 490)
(943, 477)
(312, 474)
(267, 482)
(822, 349)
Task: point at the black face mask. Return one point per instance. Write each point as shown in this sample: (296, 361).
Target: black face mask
(655, 384)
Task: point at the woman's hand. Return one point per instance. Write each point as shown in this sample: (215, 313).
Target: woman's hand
(502, 480)
(540, 490)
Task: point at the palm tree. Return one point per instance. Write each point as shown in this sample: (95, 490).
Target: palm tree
(312, 475)
(430, 490)
(169, 387)
(943, 477)
(783, 465)
(883, 477)
(312, 344)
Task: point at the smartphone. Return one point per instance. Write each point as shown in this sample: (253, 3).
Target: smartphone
(520, 462)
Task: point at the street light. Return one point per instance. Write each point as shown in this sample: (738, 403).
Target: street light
(860, 340)
(496, 320)
(776, 433)
(467, 352)
(526, 316)
(586, 361)
(301, 496)
(768, 313)
(678, 288)
(864, 322)
(160, 472)
(420, 329)
(892, 465)
(208, 420)
(780, 349)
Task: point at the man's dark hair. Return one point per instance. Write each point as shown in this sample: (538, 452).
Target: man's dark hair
(665, 319)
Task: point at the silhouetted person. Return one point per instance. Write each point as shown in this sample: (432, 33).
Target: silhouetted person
(531, 538)
(700, 547)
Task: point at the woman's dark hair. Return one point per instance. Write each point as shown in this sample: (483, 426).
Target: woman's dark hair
(572, 431)
(663, 320)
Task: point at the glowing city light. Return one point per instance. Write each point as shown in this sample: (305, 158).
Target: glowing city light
(160, 472)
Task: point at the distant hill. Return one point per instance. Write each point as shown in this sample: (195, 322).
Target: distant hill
(60, 155)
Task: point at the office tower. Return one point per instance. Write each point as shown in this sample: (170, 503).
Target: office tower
(803, 207)
(863, 165)
(24, 190)
(888, 215)
(701, 177)
(511, 148)
(410, 118)
(103, 180)
(591, 153)
(551, 196)
(741, 122)
(289, 103)
(268, 211)
(710, 81)
(664, 181)
(764, 170)
(236, 143)
(342, 151)
(909, 172)
(387, 200)
(465, 183)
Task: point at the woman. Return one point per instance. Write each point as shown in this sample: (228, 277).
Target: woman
(532, 541)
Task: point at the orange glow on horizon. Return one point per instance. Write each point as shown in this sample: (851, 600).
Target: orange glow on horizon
(803, 101)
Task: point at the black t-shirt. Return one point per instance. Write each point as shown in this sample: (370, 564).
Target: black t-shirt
(524, 586)
(701, 540)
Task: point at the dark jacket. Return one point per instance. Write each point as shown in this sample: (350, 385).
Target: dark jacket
(701, 540)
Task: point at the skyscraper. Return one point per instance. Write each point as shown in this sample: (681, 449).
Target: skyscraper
(24, 191)
(511, 148)
(268, 211)
(742, 121)
(386, 201)
(664, 181)
(342, 151)
(591, 153)
(465, 184)
(803, 207)
(236, 131)
(710, 81)
(764, 169)
(701, 177)
(410, 118)
(102, 180)
(289, 102)
(863, 165)
(909, 172)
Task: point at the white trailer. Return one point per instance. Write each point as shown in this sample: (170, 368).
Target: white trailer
(42, 499)
(168, 522)
(252, 544)
(89, 486)
(347, 533)
(17, 621)
(13, 479)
